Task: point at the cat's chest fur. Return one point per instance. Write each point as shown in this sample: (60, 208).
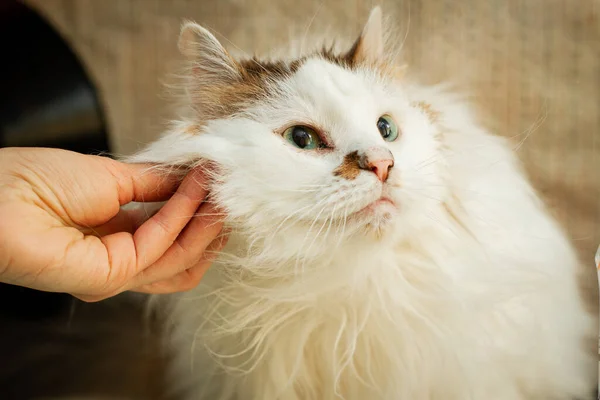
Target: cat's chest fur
(394, 322)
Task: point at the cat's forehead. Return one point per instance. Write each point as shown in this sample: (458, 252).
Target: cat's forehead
(324, 94)
(307, 87)
(319, 77)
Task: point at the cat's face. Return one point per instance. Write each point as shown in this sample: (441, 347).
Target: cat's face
(317, 150)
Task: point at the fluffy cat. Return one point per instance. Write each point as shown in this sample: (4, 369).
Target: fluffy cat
(383, 244)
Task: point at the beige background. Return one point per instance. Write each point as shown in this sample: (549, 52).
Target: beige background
(533, 67)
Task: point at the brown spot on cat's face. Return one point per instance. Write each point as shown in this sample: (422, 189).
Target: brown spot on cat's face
(432, 114)
(350, 166)
(256, 80)
(350, 61)
(344, 60)
(256, 70)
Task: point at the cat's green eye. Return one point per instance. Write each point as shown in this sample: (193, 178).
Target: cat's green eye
(303, 137)
(387, 128)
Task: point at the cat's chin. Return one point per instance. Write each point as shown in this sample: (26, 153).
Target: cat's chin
(377, 218)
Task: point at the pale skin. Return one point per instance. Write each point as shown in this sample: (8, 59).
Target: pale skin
(62, 229)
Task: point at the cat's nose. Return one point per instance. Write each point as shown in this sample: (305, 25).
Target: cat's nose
(379, 160)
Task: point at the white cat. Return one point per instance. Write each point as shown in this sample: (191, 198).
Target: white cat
(383, 245)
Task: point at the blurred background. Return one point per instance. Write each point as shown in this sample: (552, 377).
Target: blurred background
(88, 75)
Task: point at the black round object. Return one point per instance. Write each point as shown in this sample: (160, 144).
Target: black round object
(46, 97)
(46, 100)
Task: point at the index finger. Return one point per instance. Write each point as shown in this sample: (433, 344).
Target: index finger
(156, 235)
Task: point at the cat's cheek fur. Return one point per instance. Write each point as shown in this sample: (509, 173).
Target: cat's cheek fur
(418, 183)
(262, 180)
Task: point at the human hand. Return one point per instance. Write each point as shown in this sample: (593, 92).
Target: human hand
(62, 229)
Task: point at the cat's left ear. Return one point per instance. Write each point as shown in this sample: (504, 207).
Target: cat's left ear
(211, 62)
(369, 47)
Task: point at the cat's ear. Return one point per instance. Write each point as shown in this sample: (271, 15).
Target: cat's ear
(369, 47)
(209, 59)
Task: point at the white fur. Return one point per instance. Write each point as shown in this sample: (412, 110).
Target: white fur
(466, 290)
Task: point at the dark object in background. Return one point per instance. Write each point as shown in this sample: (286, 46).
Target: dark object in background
(46, 100)
(98, 351)
(46, 97)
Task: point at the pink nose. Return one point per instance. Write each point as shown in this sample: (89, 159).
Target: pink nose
(379, 161)
(381, 168)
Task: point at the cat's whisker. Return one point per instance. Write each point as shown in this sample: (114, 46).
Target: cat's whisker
(535, 126)
(308, 233)
(306, 31)
(308, 188)
(301, 218)
(345, 220)
(401, 46)
(316, 236)
(331, 219)
(447, 226)
(276, 231)
(426, 163)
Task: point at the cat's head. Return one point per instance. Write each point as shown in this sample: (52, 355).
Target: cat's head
(312, 151)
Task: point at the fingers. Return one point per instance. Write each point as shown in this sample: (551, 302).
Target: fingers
(126, 220)
(157, 235)
(157, 257)
(189, 278)
(188, 249)
(176, 280)
(142, 182)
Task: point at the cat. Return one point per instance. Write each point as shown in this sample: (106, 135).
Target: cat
(383, 244)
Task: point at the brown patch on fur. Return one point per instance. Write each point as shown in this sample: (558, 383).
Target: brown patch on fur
(214, 101)
(255, 83)
(428, 110)
(345, 60)
(192, 130)
(353, 60)
(399, 71)
(221, 99)
(255, 70)
(349, 168)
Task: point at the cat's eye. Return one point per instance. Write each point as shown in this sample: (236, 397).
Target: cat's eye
(387, 128)
(303, 137)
